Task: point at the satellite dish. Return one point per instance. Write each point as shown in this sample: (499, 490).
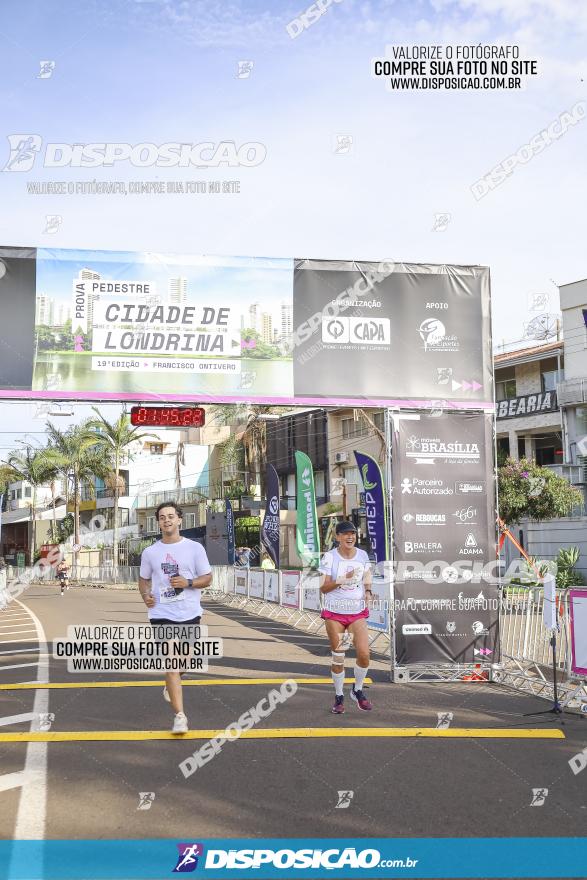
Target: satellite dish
(541, 328)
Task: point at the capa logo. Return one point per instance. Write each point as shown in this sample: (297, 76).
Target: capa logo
(376, 331)
(24, 150)
(343, 330)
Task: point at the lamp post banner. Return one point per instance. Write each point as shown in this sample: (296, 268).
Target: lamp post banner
(307, 535)
(374, 505)
(445, 539)
(270, 527)
(230, 532)
(99, 325)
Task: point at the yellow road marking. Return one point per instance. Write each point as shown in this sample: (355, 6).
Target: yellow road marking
(286, 733)
(58, 685)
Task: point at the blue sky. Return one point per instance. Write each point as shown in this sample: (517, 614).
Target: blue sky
(165, 71)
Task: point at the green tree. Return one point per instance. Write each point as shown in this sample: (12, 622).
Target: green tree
(114, 439)
(528, 490)
(76, 455)
(7, 476)
(35, 467)
(256, 347)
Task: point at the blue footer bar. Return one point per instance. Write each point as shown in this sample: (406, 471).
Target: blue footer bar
(286, 858)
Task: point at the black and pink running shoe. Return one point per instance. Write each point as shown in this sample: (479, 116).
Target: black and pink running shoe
(361, 700)
(338, 707)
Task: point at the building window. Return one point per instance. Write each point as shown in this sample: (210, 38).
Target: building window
(549, 374)
(156, 448)
(319, 484)
(549, 450)
(152, 524)
(27, 491)
(353, 477)
(505, 384)
(109, 517)
(521, 447)
(189, 521)
(503, 450)
(352, 429)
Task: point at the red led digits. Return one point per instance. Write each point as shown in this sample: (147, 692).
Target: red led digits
(168, 416)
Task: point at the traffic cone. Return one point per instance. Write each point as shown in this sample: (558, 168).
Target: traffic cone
(476, 675)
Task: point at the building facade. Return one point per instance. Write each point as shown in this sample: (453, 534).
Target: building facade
(572, 390)
(528, 418)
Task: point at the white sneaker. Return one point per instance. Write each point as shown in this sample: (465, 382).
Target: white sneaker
(166, 695)
(180, 723)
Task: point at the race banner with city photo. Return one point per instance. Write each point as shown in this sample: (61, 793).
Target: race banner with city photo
(445, 539)
(83, 324)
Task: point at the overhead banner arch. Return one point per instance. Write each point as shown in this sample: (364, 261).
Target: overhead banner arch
(98, 325)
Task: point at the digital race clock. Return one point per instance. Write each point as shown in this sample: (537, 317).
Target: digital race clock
(167, 416)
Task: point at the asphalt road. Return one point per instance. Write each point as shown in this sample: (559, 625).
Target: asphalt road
(269, 787)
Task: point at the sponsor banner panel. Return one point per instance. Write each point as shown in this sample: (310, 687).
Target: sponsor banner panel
(578, 606)
(120, 325)
(271, 586)
(444, 522)
(439, 623)
(311, 592)
(228, 858)
(290, 588)
(379, 610)
(421, 330)
(256, 583)
(240, 582)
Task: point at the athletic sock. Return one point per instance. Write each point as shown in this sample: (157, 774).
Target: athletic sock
(360, 675)
(338, 679)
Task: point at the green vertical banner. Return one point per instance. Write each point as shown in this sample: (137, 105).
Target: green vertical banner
(307, 538)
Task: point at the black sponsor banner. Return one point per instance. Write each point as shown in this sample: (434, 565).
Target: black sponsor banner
(425, 330)
(270, 527)
(17, 308)
(526, 405)
(442, 623)
(444, 525)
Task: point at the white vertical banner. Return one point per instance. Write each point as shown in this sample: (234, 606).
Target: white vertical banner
(549, 617)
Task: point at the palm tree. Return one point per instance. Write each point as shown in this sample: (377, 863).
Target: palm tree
(34, 466)
(75, 454)
(114, 438)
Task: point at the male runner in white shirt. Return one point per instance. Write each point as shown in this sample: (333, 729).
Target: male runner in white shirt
(346, 585)
(173, 573)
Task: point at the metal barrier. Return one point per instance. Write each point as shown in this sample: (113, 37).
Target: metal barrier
(285, 595)
(526, 652)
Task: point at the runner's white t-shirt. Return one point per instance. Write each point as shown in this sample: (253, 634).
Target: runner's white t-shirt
(349, 597)
(160, 562)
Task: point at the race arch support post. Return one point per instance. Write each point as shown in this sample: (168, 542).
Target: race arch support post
(446, 578)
